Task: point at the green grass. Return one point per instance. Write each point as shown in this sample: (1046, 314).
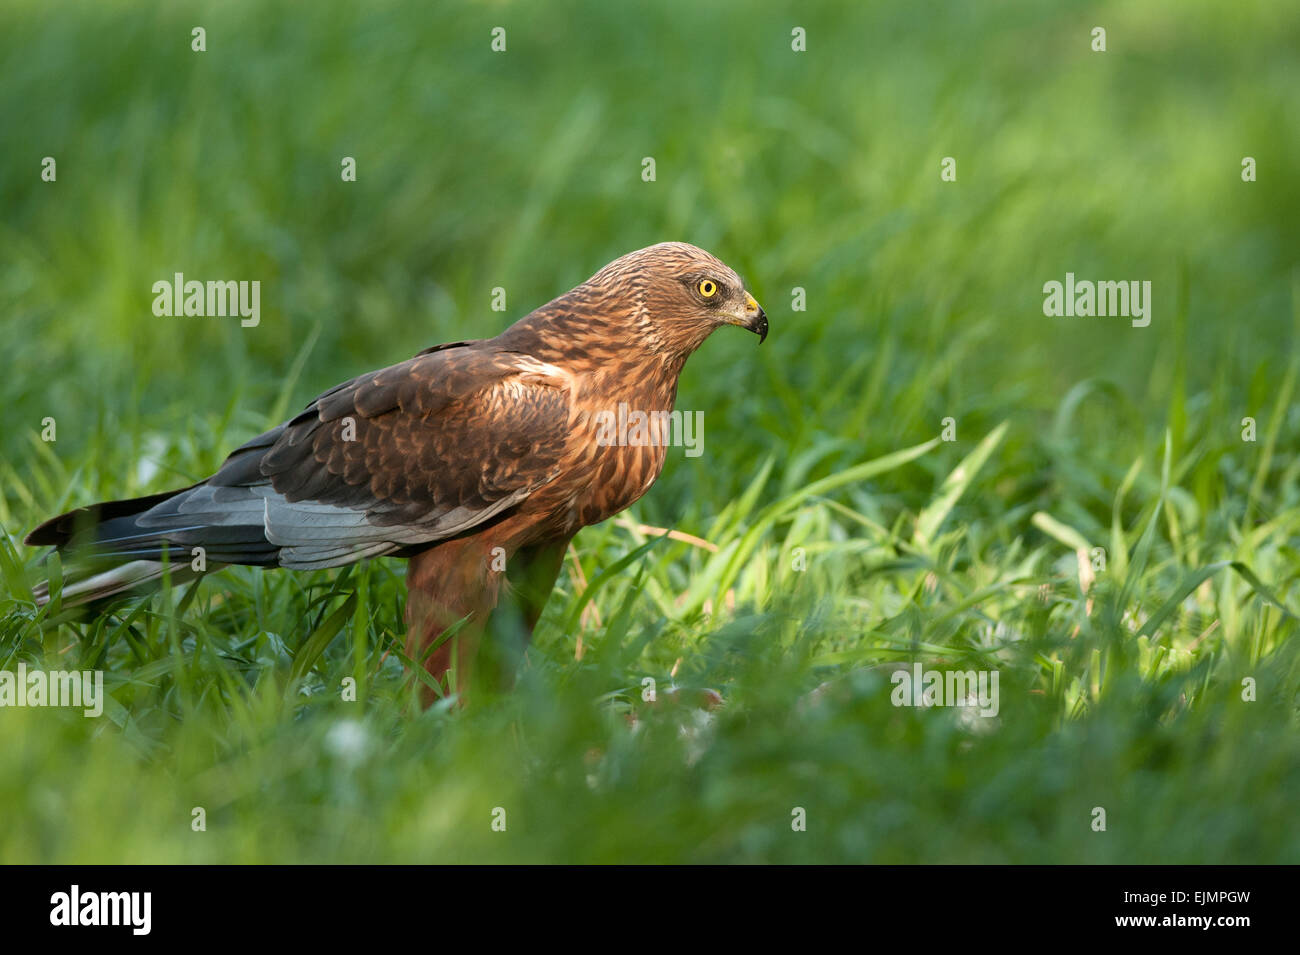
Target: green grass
(1120, 688)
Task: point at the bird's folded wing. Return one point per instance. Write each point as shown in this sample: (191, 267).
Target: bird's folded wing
(414, 453)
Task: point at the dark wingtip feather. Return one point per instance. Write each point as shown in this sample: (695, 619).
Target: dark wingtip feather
(60, 531)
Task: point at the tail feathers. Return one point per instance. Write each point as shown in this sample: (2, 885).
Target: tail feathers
(76, 526)
(117, 546)
(120, 546)
(113, 582)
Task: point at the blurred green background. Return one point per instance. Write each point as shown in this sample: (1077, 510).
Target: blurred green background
(817, 170)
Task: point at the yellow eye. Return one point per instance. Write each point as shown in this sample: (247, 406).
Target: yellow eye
(708, 289)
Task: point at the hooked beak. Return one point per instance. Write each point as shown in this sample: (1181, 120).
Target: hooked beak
(755, 319)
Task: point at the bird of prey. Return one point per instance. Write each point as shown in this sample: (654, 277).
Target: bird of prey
(477, 460)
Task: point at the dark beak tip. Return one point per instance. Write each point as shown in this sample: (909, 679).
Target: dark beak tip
(760, 326)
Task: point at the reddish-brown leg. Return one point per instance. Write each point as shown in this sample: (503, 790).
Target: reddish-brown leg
(462, 580)
(447, 584)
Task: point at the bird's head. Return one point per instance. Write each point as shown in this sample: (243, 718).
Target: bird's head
(680, 294)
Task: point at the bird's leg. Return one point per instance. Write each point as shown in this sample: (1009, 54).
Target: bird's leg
(450, 586)
(454, 586)
(530, 577)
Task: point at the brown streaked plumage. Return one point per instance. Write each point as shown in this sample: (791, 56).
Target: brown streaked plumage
(467, 458)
